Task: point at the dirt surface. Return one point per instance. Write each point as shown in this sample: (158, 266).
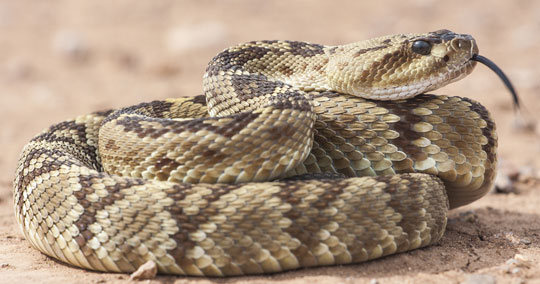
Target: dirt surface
(59, 59)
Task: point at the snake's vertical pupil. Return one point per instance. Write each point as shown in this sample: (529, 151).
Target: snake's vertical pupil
(421, 47)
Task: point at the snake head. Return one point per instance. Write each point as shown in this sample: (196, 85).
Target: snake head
(401, 66)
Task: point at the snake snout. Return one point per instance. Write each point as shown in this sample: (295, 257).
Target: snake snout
(461, 43)
(464, 46)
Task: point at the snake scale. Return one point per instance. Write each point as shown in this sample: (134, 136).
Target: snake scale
(297, 155)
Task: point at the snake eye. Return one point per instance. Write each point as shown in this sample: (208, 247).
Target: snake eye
(421, 47)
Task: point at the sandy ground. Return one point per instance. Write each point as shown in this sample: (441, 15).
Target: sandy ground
(59, 59)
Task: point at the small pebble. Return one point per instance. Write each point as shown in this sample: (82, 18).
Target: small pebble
(71, 45)
(145, 271)
(469, 216)
(480, 279)
(522, 261)
(509, 175)
(504, 183)
(511, 237)
(515, 240)
(516, 264)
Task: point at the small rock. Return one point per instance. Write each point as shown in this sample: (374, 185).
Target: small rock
(511, 237)
(145, 271)
(469, 216)
(71, 45)
(4, 265)
(515, 264)
(522, 261)
(504, 182)
(480, 279)
(515, 270)
(509, 175)
(373, 281)
(516, 240)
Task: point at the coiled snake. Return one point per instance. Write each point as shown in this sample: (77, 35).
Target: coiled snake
(298, 155)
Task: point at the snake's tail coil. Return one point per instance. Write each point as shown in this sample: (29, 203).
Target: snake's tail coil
(215, 229)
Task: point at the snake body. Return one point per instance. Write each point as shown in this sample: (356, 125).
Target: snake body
(298, 155)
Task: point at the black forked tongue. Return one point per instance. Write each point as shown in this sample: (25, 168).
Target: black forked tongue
(501, 75)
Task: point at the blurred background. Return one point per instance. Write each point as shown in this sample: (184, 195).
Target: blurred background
(59, 59)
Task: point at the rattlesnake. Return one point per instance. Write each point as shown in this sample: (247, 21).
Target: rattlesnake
(298, 155)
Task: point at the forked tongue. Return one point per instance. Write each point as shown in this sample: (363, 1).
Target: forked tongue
(500, 73)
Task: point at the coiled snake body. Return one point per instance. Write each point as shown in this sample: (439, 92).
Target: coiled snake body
(298, 155)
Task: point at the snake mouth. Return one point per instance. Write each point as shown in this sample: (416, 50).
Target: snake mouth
(424, 85)
(491, 65)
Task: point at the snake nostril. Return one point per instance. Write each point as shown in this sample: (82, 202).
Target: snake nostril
(464, 44)
(461, 44)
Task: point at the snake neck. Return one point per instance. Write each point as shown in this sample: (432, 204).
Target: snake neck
(249, 76)
(310, 74)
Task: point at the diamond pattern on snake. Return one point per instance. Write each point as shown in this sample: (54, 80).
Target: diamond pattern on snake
(297, 155)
